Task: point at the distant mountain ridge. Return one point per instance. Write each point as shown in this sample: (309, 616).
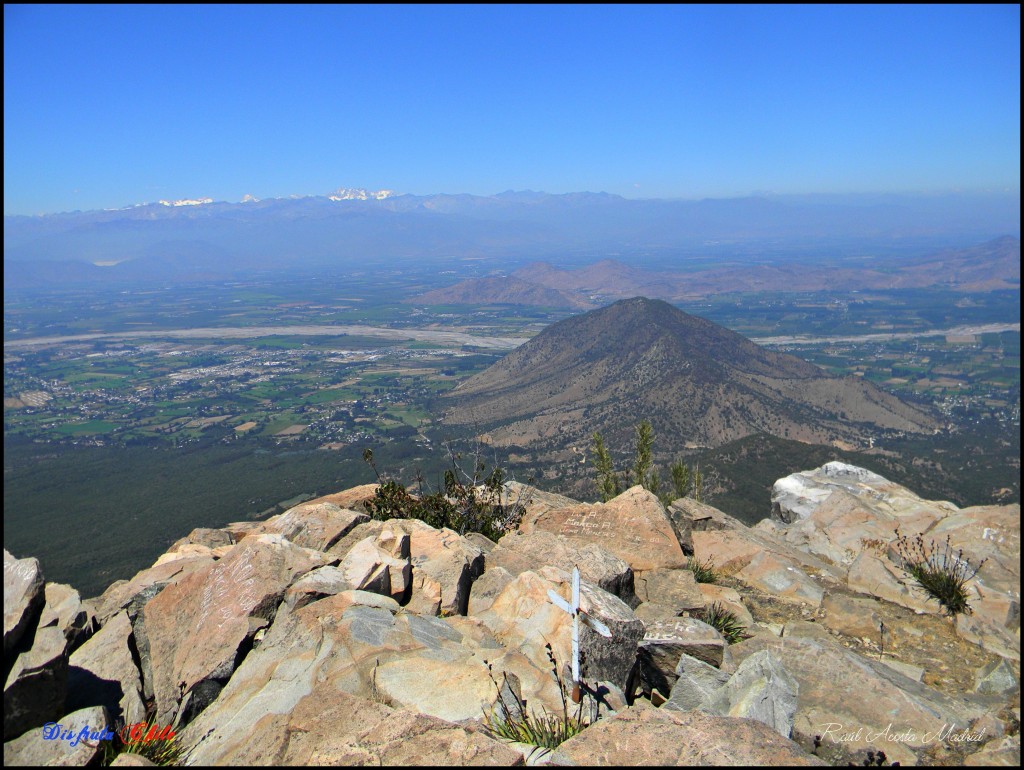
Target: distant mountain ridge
(699, 383)
(990, 266)
(352, 226)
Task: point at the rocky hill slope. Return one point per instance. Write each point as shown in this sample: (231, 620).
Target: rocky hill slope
(699, 383)
(322, 636)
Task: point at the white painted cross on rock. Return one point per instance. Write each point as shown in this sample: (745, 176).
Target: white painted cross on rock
(577, 614)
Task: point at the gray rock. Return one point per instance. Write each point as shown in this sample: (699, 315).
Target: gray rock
(34, 750)
(23, 598)
(36, 686)
(997, 678)
(696, 683)
(760, 689)
(103, 672)
(664, 644)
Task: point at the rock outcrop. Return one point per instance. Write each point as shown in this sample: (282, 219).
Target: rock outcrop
(321, 636)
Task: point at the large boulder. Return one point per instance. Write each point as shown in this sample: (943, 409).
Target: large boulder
(197, 627)
(657, 737)
(147, 583)
(633, 526)
(523, 618)
(351, 644)
(23, 598)
(64, 609)
(664, 644)
(87, 733)
(517, 552)
(854, 703)
(799, 495)
(316, 525)
(36, 685)
(760, 689)
(103, 672)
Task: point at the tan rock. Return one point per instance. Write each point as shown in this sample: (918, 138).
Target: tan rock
(729, 598)
(196, 626)
(23, 598)
(879, 577)
(373, 734)
(633, 526)
(316, 525)
(85, 727)
(675, 588)
(444, 563)
(523, 618)
(652, 737)
(486, 588)
(121, 594)
(64, 609)
(102, 671)
(352, 499)
(517, 552)
(780, 577)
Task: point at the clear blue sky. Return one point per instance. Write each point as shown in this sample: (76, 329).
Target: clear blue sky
(106, 106)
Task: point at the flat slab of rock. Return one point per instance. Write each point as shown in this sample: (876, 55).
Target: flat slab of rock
(36, 686)
(633, 526)
(853, 693)
(34, 750)
(316, 525)
(196, 626)
(696, 682)
(760, 689)
(23, 598)
(517, 552)
(675, 588)
(103, 672)
(653, 737)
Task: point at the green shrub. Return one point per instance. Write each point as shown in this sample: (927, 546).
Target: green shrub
(725, 621)
(468, 503)
(702, 572)
(942, 574)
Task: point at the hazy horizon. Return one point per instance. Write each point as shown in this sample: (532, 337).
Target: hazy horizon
(108, 107)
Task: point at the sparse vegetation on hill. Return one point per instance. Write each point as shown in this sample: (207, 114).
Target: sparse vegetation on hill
(686, 481)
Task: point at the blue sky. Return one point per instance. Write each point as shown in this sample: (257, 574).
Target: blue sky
(106, 106)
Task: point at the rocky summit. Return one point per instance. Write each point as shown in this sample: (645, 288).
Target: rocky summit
(325, 636)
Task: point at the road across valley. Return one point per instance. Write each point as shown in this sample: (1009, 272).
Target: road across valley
(458, 338)
(959, 331)
(246, 332)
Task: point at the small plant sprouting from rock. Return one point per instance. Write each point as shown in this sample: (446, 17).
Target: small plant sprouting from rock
(724, 621)
(140, 739)
(703, 572)
(513, 722)
(943, 574)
